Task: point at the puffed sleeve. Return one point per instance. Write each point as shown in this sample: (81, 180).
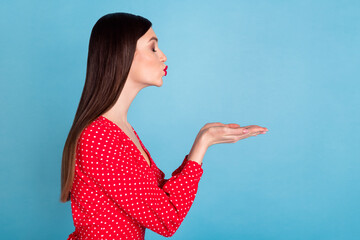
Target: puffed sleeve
(122, 179)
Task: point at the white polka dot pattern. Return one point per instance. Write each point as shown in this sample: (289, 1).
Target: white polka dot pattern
(117, 195)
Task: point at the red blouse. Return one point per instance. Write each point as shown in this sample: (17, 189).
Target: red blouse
(117, 195)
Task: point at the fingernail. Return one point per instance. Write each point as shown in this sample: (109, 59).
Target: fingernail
(245, 131)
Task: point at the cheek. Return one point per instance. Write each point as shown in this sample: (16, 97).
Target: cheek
(142, 67)
(145, 61)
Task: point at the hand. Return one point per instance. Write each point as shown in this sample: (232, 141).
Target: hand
(215, 133)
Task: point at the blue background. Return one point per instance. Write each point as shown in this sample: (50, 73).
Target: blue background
(289, 66)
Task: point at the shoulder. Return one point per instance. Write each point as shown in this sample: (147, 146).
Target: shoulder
(101, 143)
(97, 129)
(100, 132)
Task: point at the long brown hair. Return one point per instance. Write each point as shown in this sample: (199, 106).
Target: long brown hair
(111, 51)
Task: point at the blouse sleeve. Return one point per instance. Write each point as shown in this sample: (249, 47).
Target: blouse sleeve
(123, 180)
(177, 171)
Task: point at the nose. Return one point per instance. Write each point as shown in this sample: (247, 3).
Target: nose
(163, 58)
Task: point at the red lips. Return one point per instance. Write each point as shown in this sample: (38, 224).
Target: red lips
(165, 70)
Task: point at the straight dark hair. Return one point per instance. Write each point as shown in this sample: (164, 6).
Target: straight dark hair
(111, 51)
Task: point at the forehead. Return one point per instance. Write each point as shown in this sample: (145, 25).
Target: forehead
(150, 34)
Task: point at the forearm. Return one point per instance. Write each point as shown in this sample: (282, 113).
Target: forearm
(198, 150)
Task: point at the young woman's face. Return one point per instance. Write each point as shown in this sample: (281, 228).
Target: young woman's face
(148, 65)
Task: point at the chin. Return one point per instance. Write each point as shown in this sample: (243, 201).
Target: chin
(159, 84)
(156, 84)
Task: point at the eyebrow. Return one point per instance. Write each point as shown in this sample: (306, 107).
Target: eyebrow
(154, 38)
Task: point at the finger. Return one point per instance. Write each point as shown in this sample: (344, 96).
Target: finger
(255, 130)
(233, 125)
(213, 124)
(236, 131)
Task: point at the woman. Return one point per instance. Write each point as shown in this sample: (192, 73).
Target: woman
(116, 189)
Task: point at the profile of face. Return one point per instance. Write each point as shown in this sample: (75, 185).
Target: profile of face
(147, 68)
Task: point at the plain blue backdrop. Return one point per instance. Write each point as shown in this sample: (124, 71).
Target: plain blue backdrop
(289, 66)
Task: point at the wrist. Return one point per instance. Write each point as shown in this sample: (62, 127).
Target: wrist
(198, 150)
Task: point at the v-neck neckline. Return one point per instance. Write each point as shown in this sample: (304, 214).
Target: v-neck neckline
(141, 144)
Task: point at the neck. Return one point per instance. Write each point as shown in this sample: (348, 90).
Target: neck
(118, 112)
